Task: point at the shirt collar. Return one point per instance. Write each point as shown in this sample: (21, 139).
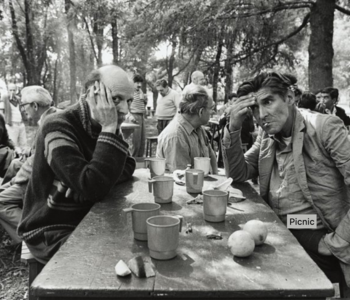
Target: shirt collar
(187, 125)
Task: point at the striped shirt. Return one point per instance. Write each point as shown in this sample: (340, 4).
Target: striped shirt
(138, 104)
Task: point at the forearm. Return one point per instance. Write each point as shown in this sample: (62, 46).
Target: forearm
(91, 179)
(128, 169)
(235, 163)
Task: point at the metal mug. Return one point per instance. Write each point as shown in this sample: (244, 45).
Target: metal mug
(163, 188)
(140, 212)
(215, 205)
(163, 236)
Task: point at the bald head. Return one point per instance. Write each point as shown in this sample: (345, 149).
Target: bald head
(117, 80)
(197, 77)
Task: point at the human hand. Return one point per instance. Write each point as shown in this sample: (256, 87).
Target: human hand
(76, 196)
(323, 249)
(321, 108)
(238, 110)
(102, 107)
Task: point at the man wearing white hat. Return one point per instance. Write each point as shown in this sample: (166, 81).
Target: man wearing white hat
(36, 102)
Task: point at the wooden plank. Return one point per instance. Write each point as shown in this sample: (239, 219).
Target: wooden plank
(84, 267)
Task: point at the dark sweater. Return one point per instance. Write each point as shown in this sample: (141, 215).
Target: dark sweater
(71, 153)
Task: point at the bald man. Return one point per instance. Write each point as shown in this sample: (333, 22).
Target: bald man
(197, 79)
(80, 155)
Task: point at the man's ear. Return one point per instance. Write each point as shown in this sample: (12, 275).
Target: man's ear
(200, 113)
(36, 106)
(290, 98)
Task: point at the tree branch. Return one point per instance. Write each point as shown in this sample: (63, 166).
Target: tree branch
(296, 31)
(342, 9)
(91, 39)
(16, 35)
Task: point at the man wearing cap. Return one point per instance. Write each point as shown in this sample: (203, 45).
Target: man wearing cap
(13, 118)
(36, 102)
(80, 155)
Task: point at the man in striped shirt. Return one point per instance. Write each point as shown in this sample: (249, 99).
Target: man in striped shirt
(137, 115)
(80, 155)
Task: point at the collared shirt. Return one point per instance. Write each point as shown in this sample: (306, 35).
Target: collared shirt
(179, 143)
(285, 196)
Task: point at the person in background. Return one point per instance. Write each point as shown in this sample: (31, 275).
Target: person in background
(7, 148)
(197, 79)
(137, 116)
(308, 101)
(14, 122)
(80, 155)
(328, 104)
(318, 96)
(303, 162)
(36, 102)
(297, 94)
(167, 104)
(185, 138)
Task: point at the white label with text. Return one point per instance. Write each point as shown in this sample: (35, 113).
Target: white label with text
(301, 221)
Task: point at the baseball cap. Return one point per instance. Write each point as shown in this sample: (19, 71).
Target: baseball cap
(35, 93)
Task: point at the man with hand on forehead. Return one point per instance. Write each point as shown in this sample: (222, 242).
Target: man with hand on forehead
(303, 162)
(80, 155)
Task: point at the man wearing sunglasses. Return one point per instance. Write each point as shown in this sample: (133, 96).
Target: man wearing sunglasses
(80, 155)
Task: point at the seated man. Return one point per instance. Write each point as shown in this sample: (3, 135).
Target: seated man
(79, 156)
(308, 101)
(303, 162)
(7, 148)
(184, 138)
(36, 102)
(328, 104)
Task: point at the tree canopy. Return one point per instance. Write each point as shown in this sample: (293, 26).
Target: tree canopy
(56, 43)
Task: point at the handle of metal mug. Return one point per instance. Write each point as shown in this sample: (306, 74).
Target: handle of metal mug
(150, 183)
(195, 178)
(181, 219)
(127, 210)
(147, 163)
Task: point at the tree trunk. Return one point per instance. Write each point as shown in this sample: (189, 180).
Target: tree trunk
(98, 32)
(71, 46)
(115, 40)
(321, 45)
(171, 62)
(217, 65)
(228, 68)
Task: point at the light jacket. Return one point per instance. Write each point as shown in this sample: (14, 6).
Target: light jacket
(321, 152)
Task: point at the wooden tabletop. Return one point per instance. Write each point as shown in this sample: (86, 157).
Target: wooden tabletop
(84, 267)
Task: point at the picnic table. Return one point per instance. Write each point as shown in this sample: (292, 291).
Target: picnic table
(204, 268)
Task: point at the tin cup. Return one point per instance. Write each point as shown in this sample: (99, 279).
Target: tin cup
(163, 236)
(202, 163)
(140, 212)
(156, 166)
(163, 188)
(215, 205)
(194, 181)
